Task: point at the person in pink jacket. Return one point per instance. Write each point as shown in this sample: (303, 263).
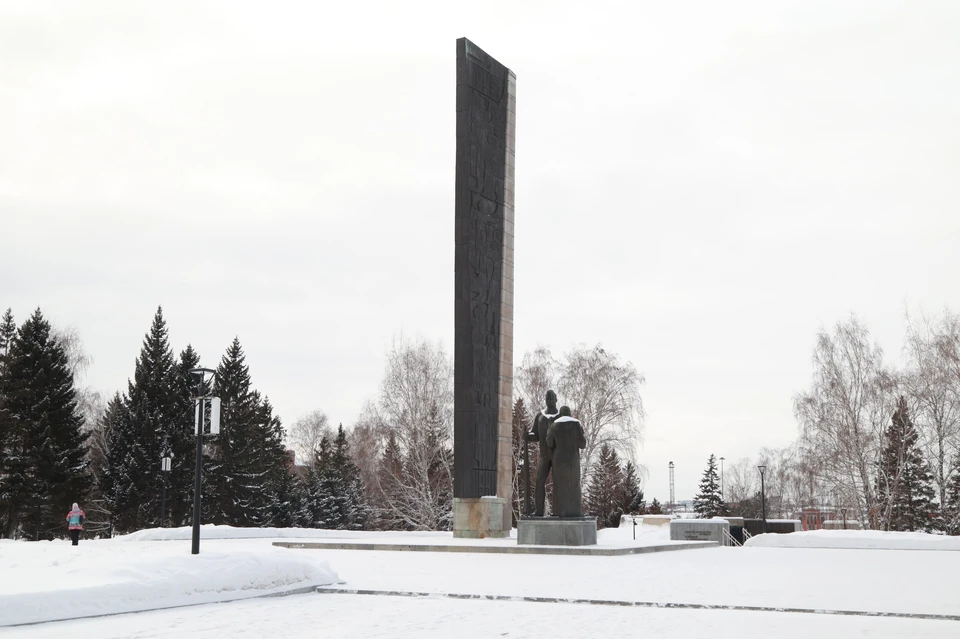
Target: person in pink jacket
(75, 523)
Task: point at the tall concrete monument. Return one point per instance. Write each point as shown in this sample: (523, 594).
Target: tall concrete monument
(483, 336)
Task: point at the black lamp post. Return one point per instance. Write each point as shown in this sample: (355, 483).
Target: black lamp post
(204, 376)
(165, 461)
(763, 497)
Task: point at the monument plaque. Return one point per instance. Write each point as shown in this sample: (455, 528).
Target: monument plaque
(483, 315)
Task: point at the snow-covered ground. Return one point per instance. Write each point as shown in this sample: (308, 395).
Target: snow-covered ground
(361, 617)
(857, 539)
(53, 580)
(871, 581)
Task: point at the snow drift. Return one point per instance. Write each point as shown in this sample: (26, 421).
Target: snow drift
(47, 581)
(856, 539)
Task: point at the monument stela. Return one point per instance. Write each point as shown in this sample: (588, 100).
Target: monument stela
(483, 336)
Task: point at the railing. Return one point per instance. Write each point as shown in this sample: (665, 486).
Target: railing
(730, 539)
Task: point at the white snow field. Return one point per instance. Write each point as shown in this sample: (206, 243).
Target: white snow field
(53, 580)
(862, 539)
(823, 582)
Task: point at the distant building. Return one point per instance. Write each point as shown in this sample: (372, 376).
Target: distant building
(825, 518)
(292, 468)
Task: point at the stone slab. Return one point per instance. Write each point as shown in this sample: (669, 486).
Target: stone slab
(599, 551)
(481, 518)
(700, 530)
(557, 531)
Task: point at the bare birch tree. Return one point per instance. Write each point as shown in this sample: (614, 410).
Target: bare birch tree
(604, 394)
(536, 375)
(931, 350)
(415, 410)
(843, 415)
(305, 435)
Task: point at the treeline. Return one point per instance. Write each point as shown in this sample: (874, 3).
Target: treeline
(877, 442)
(392, 470)
(58, 446)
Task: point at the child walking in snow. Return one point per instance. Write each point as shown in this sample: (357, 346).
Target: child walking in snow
(75, 523)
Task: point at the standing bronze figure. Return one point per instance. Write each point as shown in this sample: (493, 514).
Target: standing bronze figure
(565, 439)
(541, 424)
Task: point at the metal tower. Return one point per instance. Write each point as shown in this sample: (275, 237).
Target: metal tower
(672, 494)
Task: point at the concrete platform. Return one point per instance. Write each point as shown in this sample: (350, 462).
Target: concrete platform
(498, 546)
(557, 531)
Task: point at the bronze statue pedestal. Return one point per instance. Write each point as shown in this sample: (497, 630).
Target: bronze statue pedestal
(557, 531)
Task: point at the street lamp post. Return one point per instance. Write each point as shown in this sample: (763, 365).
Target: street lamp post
(165, 460)
(204, 376)
(763, 497)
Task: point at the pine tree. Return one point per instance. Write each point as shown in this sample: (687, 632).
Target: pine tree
(604, 498)
(655, 507)
(338, 489)
(249, 453)
(8, 331)
(291, 508)
(98, 515)
(153, 412)
(318, 486)
(904, 481)
(708, 502)
(44, 468)
(952, 507)
(631, 496)
(390, 476)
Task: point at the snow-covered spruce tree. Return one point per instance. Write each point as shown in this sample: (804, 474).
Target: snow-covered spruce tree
(8, 331)
(248, 453)
(389, 480)
(708, 502)
(631, 494)
(604, 498)
(951, 510)
(338, 498)
(153, 412)
(318, 486)
(655, 508)
(904, 482)
(44, 468)
(97, 509)
(291, 507)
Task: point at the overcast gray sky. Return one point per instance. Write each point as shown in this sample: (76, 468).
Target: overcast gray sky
(700, 188)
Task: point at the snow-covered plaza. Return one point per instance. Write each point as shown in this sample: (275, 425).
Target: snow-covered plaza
(871, 591)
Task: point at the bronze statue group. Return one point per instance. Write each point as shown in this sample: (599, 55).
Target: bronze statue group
(561, 439)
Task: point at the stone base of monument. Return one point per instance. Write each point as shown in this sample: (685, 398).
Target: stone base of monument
(716, 529)
(557, 531)
(481, 518)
